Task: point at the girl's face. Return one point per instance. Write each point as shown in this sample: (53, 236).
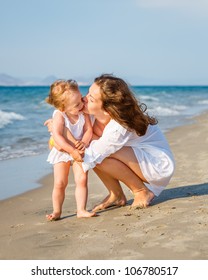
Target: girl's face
(92, 101)
(74, 103)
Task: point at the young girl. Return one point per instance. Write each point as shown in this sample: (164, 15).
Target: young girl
(68, 120)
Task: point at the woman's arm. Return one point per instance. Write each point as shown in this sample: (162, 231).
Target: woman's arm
(114, 137)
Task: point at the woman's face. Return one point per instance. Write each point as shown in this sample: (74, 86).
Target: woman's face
(92, 101)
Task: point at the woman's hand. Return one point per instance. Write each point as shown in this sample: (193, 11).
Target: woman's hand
(49, 124)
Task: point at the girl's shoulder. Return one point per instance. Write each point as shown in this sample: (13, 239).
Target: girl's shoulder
(82, 116)
(90, 117)
(55, 112)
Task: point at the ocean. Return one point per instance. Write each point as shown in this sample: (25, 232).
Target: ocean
(23, 111)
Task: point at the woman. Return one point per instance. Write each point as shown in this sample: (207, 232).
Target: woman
(128, 145)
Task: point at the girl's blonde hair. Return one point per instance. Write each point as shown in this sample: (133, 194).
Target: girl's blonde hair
(59, 91)
(122, 105)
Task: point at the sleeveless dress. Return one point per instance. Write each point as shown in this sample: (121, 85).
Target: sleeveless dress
(76, 129)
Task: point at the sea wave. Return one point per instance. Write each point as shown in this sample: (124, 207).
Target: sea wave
(203, 102)
(165, 111)
(16, 154)
(8, 118)
(22, 149)
(148, 98)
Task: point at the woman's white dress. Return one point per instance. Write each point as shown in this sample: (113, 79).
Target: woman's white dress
(151, 150)
(76, 129)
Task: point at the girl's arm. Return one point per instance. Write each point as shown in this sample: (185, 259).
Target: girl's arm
(87, 135)
(87, 131)
(58, 135)
(67, 134)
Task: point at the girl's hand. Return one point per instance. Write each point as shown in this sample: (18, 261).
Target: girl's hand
(80, 145)
(77, 156)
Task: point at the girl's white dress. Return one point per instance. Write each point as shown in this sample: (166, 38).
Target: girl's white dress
(76, 129)
(151, 150)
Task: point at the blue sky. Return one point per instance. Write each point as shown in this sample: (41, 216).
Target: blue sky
(143, 41)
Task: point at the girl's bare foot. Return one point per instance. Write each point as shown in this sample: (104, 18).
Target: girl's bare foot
(53, 217)
(85, 214)
(142, 199)
(111, 201)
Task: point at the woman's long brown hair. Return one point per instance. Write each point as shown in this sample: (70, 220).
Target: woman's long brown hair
(122, 105)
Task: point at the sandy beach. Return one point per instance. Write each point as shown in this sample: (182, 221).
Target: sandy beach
(174, 227)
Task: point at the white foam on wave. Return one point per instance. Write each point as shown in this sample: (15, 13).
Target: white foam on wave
(148, 98)
(174, 110)
(22, 149)
(179, 107)
(161, 111)
(8, 118)
(9, 152)
(203, 102)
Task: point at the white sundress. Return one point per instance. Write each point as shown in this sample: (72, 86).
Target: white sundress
(76, 129)
(151, 150)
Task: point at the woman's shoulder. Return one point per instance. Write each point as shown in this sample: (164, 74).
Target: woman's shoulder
(114, 126)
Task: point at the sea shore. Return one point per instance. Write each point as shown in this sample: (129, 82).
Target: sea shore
(175, 226)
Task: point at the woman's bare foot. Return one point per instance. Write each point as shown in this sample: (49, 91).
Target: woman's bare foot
(85, 214)
(53, 217)
(142, 199)
(111, 201)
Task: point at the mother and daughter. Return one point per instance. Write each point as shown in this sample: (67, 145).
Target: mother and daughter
(119, 141)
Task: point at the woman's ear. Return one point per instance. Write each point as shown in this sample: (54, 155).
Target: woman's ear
(106, 113)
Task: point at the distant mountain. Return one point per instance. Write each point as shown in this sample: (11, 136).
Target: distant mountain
(48, 80)
(7, 80)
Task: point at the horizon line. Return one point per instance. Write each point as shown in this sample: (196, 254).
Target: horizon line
(134, 85)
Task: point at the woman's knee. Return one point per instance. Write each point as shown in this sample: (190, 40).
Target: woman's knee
(98, 166)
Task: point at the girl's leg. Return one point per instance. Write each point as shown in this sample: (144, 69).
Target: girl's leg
(116, 196)
(61, 173)
(124, 167)
(81, 192)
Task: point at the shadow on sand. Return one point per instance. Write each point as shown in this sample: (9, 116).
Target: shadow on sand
(181, 192)
(167, 194)
(178, 192)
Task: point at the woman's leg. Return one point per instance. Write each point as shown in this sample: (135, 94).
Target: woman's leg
(116, 197)
(124, 167)
(61, 173)
(127, 156)
(81, 192)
